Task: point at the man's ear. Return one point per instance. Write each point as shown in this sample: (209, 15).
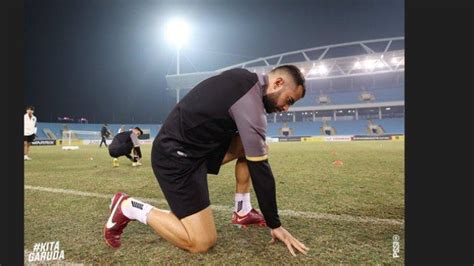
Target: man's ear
(278, 82)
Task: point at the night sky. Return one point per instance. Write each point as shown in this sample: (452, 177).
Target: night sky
(107, 60)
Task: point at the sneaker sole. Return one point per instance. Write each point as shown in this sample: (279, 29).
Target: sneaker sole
(105, 226)
(105, 240)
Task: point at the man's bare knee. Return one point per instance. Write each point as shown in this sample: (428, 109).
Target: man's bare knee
(203, 245)
(201, 231)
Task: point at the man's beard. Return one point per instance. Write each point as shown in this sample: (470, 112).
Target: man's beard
(270, 102)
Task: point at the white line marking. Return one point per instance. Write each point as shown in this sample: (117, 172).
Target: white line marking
(291, 213)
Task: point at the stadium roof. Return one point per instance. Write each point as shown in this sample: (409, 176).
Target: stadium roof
(360, 58)
(331, 61)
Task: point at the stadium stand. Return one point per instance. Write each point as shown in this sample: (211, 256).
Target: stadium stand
(299, 128)
(351, 127)
(393, 125)
(348, 97)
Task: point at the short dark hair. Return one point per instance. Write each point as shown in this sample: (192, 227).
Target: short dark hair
(30, 107)
(295, 73)
(141, 132)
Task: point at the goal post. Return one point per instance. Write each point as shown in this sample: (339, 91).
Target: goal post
(71, 139)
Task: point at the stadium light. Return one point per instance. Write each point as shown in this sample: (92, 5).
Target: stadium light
(402, 61)
(177, 34)
(323, 70)
(369, 64)
(394, 60)
(379, 64)
(357, 65)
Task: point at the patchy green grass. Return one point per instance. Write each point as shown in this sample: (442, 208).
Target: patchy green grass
(370, 183)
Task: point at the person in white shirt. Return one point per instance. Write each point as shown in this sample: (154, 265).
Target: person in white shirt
(30, 130)
(121, 129)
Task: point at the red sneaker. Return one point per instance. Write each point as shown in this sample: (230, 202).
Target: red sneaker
(117, 221)
(251, 218)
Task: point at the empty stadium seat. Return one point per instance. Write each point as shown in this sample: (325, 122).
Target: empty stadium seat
(351, 97)
(348, 127)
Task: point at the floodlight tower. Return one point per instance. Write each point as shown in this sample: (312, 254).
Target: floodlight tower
(177, 33)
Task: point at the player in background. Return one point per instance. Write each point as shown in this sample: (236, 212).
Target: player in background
(104, 133)
(30, 129)
(126, 143)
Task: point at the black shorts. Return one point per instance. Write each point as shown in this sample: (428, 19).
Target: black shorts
(183, 182)
(120, 150)
(214, 160)
(29, 138)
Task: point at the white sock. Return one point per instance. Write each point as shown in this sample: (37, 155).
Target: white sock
(135, 209)
(242, 203)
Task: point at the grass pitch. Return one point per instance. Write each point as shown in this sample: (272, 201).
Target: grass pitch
(320, 203)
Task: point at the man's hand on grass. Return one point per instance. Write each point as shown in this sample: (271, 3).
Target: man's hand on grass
(291, 242)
